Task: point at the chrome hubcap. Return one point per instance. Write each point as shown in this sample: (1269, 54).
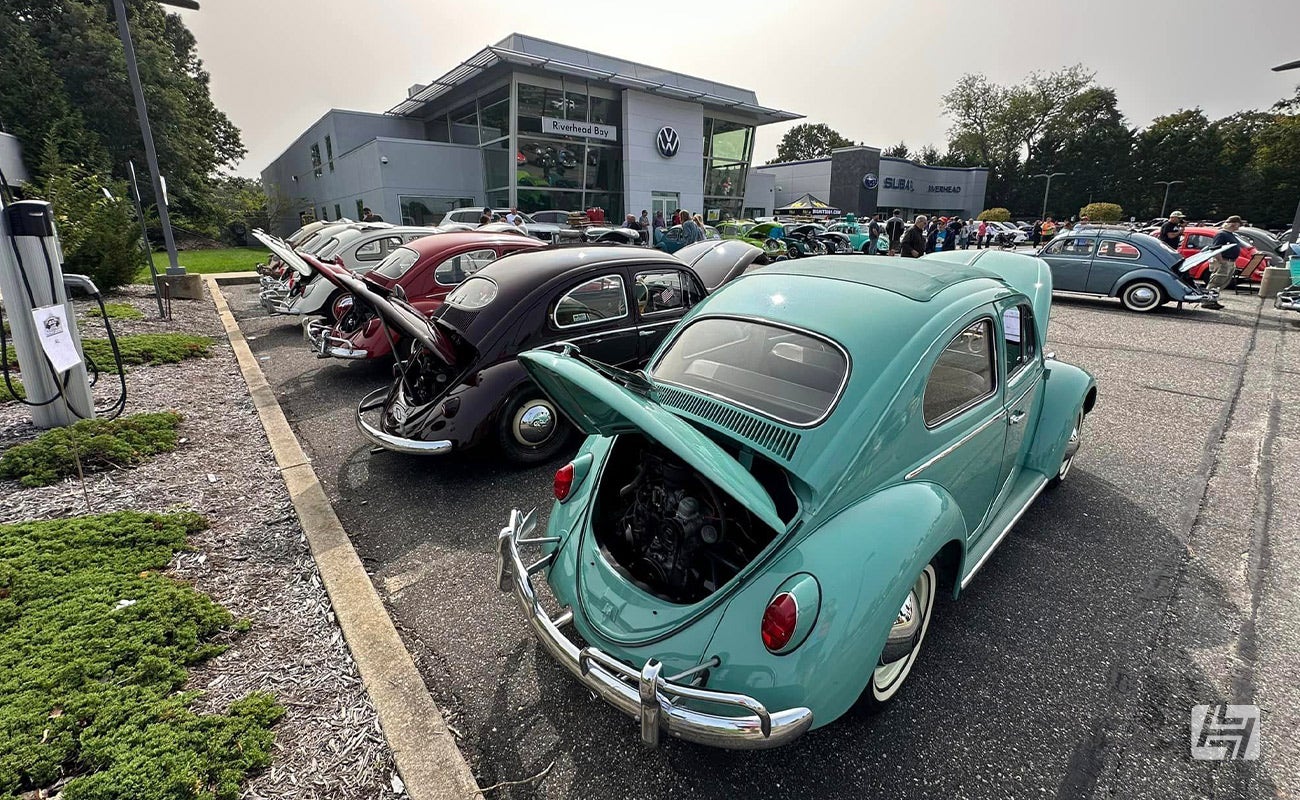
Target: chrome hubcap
(534, 423)
(1071, 447)
(905, 635)
(1143, 296)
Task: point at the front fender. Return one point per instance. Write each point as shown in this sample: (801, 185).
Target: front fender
(1174, 288)
(1067, 391)
(864, 560)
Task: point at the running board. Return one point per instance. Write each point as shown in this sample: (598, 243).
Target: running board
(1029, 485)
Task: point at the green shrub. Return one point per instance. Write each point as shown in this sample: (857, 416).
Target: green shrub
(6, 397)
(90, 686)
(1102, 212)
(995, 215)
(98, 443)
(122, 311)
(141, 348)
(98, 235)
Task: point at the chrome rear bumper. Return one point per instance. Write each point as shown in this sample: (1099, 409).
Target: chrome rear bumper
(398, 444)
(324, 345)
(644, 694)
(275, 301)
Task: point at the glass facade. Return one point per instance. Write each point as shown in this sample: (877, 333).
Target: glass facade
(728, 148)
(563, 172)
(426, 210)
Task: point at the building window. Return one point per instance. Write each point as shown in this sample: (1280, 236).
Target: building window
(425, 210)
(329, 152)
(360, 209)
(337, 213)
(464, 124)
(315, 159)
(566, 173)
(728, 147)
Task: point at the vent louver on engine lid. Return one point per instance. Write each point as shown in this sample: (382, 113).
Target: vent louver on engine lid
(773, 438)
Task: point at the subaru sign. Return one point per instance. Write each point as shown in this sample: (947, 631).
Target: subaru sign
(870, 181)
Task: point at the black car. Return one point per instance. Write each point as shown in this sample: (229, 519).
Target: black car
(462, 384)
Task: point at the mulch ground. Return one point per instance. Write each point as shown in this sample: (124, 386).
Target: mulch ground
(253, 559)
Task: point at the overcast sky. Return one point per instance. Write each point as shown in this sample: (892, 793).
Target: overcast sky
(872, 70)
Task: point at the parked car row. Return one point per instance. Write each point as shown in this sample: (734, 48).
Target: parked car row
(773, 488)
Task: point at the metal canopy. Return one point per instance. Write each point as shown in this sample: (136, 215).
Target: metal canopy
(669, 84)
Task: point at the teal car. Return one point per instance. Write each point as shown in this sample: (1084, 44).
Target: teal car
(751, 539)
(860, 237)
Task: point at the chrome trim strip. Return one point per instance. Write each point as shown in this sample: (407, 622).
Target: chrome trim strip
(643, 694)
(971, 574)
(947, 451)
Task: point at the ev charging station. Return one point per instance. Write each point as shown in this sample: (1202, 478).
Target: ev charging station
(32, 284)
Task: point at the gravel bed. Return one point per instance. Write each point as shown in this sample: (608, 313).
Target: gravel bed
(253, 559)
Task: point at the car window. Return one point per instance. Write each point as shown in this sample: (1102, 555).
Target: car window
(1073, 246)
(664, 290)
(1113, 249)
(327, 249)
(397, 263)
(597, 300)
(371, 251)
(1018, 337)
(788, 375)
(459, 267)
(1199, 241)
(963, 375)
(473, 294)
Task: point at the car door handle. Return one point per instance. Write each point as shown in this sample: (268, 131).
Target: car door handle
(1017, 417)
(648, 333)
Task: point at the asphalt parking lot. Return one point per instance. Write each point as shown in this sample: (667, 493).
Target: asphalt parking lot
(1159, 576)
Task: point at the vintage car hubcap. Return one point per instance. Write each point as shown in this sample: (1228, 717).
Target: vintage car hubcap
(1143, 296)
(1071, 447)
(904, 640)
(534, 423)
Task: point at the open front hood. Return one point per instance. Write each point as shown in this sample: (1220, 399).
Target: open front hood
(401, 315)
(598, 406)
(286, 253)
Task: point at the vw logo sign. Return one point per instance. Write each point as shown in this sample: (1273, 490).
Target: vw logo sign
(870, 181)
(666, 142)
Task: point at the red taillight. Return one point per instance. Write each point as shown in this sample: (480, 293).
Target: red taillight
(779, 621)
(564, 483)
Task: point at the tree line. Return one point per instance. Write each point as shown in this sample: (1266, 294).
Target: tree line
(1247, 163)
(65, 95)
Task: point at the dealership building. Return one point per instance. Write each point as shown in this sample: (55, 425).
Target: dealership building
(860, 180)
(537, 125)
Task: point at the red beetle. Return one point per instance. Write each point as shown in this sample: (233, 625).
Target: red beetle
(1194, 239)
(424, 271)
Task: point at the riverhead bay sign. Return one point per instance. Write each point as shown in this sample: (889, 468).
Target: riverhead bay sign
(587, 130)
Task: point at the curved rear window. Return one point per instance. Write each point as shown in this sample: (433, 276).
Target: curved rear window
(788, 375)
(327, 250)
(473, 294)
(397, 263)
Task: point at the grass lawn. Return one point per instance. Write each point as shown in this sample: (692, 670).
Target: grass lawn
(226, 259)
(95, 645)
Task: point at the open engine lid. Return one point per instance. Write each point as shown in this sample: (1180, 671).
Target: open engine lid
(286, 253)
(400, 314)
(599, 406)
(1197, 259)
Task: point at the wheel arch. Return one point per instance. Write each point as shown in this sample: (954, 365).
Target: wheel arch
(1164, 280)
(865, 560)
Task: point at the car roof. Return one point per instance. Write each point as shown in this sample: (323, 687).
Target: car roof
(915, 279)
(443, 242)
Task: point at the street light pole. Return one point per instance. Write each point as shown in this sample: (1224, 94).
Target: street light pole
(1168, 185)
(1047, 188)
(1295, 225)
(142, 111)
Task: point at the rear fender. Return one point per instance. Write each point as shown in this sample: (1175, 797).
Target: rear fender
(864, 560)
(1173, 288)
(483, 394)
(1067, 391)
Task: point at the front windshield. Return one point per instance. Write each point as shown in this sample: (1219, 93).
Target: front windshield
(790, 376)
(397, 263)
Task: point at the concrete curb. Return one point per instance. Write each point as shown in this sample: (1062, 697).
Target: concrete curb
(430, 764)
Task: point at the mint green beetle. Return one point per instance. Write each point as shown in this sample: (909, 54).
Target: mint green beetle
(752, 537)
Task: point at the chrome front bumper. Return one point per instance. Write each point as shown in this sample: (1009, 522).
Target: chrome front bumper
(644, 694)
(398, 444)
(324, 345)
(1287, 300)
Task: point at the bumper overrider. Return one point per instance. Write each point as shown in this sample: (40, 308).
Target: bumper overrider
(319, 334)
(275, 301)
(376, 435)
(644, 694)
